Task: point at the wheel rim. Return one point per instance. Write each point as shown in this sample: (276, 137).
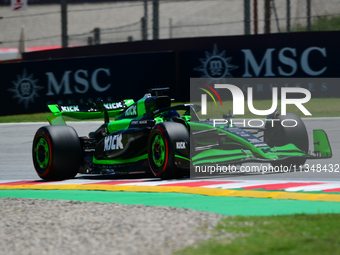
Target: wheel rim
(42, 153)
(158, 151)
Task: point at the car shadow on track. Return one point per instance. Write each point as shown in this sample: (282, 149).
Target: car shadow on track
(151, 177)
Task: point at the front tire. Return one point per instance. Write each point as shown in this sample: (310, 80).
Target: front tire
(161, 147)
(280, 135)
(56, 152)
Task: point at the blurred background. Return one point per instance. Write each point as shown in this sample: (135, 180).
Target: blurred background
(98, 22)
(74, 51)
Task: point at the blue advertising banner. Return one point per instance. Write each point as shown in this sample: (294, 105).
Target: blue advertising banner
(67, 78)
(28, 87)
(294, 55)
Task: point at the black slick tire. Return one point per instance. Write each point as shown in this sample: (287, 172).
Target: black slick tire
(278, 135)
(161, 146)
(56, 152)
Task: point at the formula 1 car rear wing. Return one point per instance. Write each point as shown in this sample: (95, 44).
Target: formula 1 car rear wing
(83, 111)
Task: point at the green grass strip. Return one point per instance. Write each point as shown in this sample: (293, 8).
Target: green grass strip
(221, 205)
(310, 234)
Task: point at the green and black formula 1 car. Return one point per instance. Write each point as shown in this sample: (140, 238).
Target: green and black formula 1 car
(150, 135)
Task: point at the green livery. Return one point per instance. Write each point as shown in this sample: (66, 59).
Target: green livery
(150, 135)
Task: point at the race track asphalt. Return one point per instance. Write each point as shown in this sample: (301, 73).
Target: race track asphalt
(16, 164)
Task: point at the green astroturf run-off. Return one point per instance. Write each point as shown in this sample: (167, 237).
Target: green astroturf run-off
(221, 205)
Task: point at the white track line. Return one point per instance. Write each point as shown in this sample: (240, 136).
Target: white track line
(315, 187)
(235, 184)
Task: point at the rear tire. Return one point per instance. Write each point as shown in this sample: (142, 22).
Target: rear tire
(56, 152)
(161, 148)
(280, 135)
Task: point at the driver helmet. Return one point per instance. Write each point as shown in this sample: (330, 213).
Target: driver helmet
(170, 114)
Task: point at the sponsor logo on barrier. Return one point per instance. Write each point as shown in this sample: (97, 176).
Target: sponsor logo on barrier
(216, 65)
(25, 88)
(250, 63)
(287, 61)
(113, 143)
(83, 81)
